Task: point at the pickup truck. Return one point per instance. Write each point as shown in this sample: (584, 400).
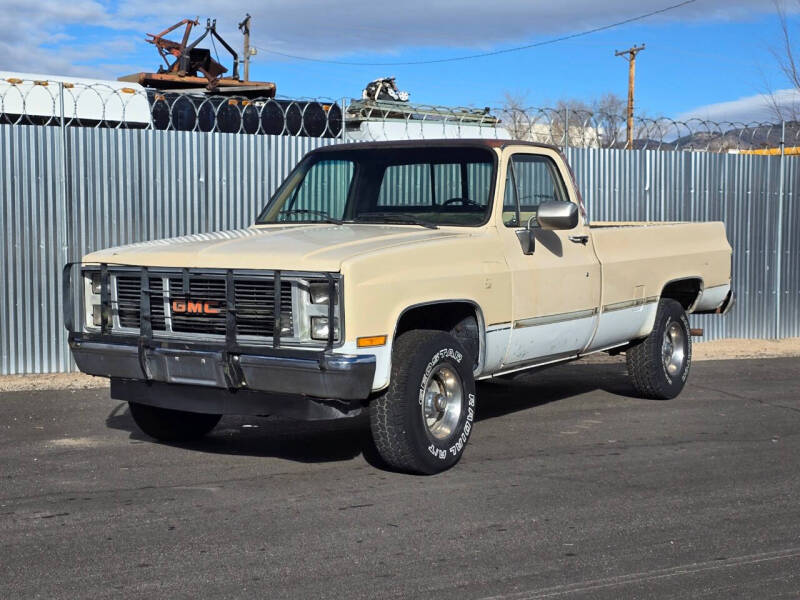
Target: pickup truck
(388, 278)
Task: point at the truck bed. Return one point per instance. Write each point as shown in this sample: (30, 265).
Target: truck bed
(640, 258)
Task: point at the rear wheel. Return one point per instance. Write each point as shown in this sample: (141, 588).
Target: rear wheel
(659, 365)
(170, 425)
(422, 422)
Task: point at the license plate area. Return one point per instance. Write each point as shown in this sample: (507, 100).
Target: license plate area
(187, 367)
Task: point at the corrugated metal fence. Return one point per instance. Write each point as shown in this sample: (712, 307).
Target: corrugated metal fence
(121, 186)
(743, 191)
(65, 193)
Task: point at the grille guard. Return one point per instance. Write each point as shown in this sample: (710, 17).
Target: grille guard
(145, 339)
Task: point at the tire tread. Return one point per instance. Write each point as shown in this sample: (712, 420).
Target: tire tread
(388, 411)
(643, 359)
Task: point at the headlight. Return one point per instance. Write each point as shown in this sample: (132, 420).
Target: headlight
(320, 330)
(93, 309)
(96, 283)
(317, 307)
(320, 293)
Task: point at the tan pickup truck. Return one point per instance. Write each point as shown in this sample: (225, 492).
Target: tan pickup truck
(390, 277)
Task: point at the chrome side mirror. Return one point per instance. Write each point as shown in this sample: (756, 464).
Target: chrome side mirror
(557, 215)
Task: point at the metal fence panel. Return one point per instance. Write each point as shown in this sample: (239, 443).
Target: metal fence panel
(64, 193)
(123, 186)
(789, 318)
(31, 226)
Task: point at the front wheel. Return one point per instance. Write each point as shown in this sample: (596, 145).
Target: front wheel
(170, 425)
(422, 422)
(659, 365)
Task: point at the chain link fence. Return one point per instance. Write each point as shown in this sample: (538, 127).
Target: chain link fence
(118, 105)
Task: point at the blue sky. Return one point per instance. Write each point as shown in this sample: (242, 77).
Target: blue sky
(697, 56)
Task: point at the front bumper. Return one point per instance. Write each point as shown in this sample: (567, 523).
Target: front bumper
(319, 374)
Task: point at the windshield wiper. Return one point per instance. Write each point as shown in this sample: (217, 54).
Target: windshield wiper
(326, 218)
(402, 218)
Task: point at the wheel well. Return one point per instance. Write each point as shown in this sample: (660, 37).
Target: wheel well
(460, 319)
(685, 291)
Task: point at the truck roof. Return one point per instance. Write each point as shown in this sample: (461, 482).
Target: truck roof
(471, 143)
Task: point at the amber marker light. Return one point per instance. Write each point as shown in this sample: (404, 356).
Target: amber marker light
(371, 341)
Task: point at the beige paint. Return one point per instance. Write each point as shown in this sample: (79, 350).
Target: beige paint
(559, 277)
(388, 268)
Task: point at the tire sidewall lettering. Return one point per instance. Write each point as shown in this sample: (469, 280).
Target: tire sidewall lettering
(457, 447)
(435, 360)
(454, 447)
(688, 360)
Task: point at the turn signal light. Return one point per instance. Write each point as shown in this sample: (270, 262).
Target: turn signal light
(371, 341)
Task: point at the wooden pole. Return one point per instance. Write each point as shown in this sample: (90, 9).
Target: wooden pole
(630, 56)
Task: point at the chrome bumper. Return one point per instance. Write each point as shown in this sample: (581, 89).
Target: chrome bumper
(303, 373)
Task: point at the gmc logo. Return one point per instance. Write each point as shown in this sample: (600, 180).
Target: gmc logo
(192, 307)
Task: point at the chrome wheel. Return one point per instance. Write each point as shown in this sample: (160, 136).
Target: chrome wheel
(673, 348)
(442, 399)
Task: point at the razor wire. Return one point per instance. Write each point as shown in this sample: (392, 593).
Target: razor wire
(35, 102)
(120, 106)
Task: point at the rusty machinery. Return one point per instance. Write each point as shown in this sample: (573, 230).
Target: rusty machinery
(187, 67)
(188, 58)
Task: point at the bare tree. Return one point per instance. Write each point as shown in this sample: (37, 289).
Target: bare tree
(517, 118)
(595, 123)
(609, 113)
(786, 109)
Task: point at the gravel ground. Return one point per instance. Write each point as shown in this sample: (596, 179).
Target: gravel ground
(717, 350)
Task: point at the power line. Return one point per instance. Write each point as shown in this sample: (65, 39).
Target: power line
(485, 54)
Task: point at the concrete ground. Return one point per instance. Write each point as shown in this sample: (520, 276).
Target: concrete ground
(570, 488)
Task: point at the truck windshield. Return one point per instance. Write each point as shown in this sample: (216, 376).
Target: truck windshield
(428, 186)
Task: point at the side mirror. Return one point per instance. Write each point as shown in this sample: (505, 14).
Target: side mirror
(557, 215)
(527, 237)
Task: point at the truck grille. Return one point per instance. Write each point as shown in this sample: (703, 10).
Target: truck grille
(204, 290)
(255, 315)
(203, 310)
(129, 297)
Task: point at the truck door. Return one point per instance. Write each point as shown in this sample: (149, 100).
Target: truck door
(556, 287)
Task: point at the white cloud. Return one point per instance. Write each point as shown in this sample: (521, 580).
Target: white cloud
(758, 108)
(36, 34)
(320, 28)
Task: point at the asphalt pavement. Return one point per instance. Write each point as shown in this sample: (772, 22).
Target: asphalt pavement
(571, 487)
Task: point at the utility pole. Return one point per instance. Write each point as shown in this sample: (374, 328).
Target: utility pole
(244, 27)
(630, 56)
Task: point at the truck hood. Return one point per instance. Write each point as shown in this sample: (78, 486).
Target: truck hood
(307, 247)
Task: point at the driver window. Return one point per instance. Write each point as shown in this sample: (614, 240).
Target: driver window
(532, 180)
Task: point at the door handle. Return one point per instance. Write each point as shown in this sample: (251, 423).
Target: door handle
(579, 239)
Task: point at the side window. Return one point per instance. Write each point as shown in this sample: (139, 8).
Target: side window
(510, 203)
(534, 179)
